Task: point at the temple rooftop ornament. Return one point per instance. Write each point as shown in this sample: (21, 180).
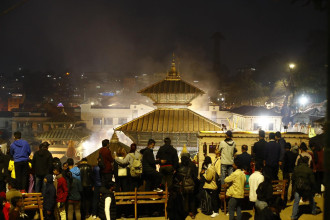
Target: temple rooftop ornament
(172, 92)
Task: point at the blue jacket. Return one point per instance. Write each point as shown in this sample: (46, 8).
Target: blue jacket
(20, 150)
(49, 194)
(76, 173)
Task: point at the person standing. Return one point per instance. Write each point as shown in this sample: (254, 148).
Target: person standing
(303, 153)
(258, 149)
(211, 187)
(245, 159)
(42, 163)
(97, 183)
(133, 155)
(189, 173)
(167, 155)
(288, 167)
(20, 150)
(235, 191)
(272, 157)
(255, 179)
(87, 183)
(150, 174)
(61, 194)
(227, 149)
(105, 154)
(304, 186)
(49, 195)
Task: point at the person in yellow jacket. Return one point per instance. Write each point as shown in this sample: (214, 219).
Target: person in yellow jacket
(211, 187)
(236, 190)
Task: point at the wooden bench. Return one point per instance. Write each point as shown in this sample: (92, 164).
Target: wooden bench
(135, 198)
(279, 187)
(33, 201)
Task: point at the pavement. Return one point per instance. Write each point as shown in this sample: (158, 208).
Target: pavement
(248, 214)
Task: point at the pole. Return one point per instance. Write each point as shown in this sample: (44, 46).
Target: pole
(327, 145)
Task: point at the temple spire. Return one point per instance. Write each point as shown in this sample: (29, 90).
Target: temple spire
(173, 74)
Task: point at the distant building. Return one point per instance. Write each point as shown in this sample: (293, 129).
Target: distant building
(110, 117)
(15, 100)
(252, 118)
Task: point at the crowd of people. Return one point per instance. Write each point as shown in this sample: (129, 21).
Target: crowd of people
(81, 191)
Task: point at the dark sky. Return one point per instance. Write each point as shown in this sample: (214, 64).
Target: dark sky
(139, 36)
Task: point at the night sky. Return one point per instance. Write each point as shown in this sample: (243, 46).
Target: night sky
(139, 36)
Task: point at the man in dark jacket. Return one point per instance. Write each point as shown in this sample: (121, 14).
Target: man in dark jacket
(105, 153)
(167, 155)
(20, 150)
(86, 182)
(272, 157)
(304, 186)
(49, 195)
(258, 149)
(282, 142)
(288, 166)
(96, 189)
(245, 159)
(42, 163)
(152, 177)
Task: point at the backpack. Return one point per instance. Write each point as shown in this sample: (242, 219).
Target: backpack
(136, 167)
(206, 203)
(100, 162)
(188, 183)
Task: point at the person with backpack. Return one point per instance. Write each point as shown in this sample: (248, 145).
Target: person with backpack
(134, 161)
(304, 186)
(303, 153)
(105, 162)
(86, 182)
(211, 188)
(188, 172)
(228, 149)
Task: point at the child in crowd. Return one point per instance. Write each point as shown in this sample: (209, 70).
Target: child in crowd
(15, 213)
(61, 193)
(236, 190)
(49, 196)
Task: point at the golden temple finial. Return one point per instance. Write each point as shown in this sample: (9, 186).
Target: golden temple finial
(173, 74)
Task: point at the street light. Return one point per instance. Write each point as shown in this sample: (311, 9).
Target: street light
(292, 66)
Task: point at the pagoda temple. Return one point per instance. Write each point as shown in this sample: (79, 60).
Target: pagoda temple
(172, 118)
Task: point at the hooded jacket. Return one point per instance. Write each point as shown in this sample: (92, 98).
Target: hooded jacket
(148, 161)
(227, 149)
(75, 173)
(20, 150)
(169, 154)
(49, 194)
(42, 162)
